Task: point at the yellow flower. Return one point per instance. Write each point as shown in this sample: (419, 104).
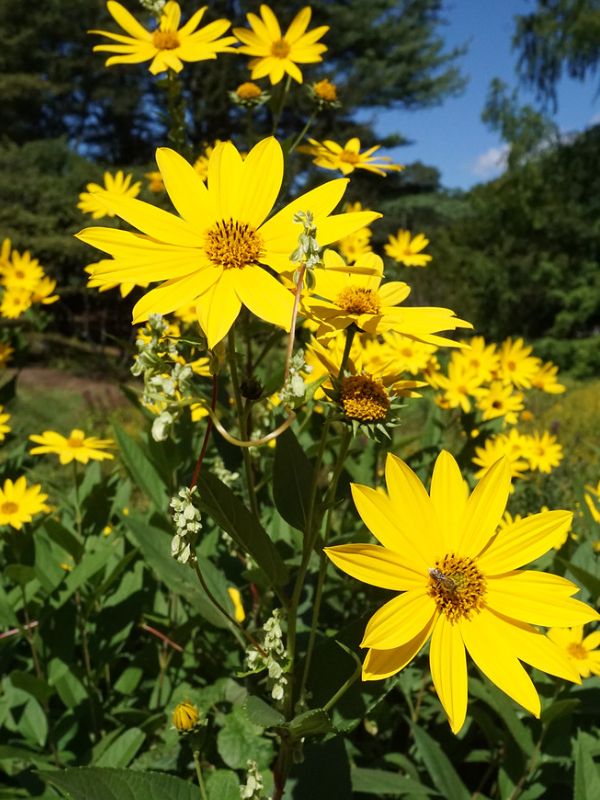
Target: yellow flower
(498, 400)
(42, 292)
(185, 716)
(167, 46)
(76, 447)
(517, 365)
(276, 54)
(544, 452)
(409, 355)
(155, 182)
(592, 501)
(545, 379)
(459, 386)
(460, 584)
(90, 202)
(15, 302)
(345, 296)
(331, 155)
(407, 251)
(22, 272)
(325, 90)
(583, 654)
(248, 91)
(357, 243)
(215, 253)
(480, 358)
(104, 284)
(4, 427)
(20, 503)
(236, 600)
(496, 447)
(6, 351)
(5, 249)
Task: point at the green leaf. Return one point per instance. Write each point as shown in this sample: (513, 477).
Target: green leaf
(222, 784)
(94, 783)
(70, 689)
(587, 773)
(33, 723)
(122, 751)
(310, 723)
(239, 740)
(154, 545)
(505, 708)
(445, 778)
(383, 782)
(262, 714)
(292, 480)
(8, 618)
(324, 771)
(591, 582)
(141, 469)
(228, 511)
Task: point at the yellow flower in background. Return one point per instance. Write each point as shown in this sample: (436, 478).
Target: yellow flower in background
(214, 254)
(592, 500)
(4, 428)
(407, 251)
(344, 296)
(6, 351)
(497, 447)
(480, 357)
(75, 447)
(325, 90)
(167, 46)
(185, 716)
(5, 249)
(516, 364)
(409, 355)
(21, 272)
(202, 162)
(119, 183)
(155, 182)
(545, 452)
(20, 503)
(459, 386)
(358, 243)
(583, 653)
(248, 91)
(460, 583)
(15, 302)
(276, 54)
(499, 400)
(546, 379)
(236, 600)
(331, 155)
(43, 292)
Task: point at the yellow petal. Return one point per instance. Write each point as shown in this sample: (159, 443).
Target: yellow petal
(448, 664)
(399, 620)
(127, 21)
(174, 294)
(380, 517)
(393, 292)
(224, 180)
(262, 174)
(524, 541)
(537, 650)
(298, 25)
(186, 189)
(218, 308)
(449, 498)
(376, 565)
(531, 601)
(414, 508)
(484, 638)
(484, 509)
(381, 664)
(265, 296)
(339, 226)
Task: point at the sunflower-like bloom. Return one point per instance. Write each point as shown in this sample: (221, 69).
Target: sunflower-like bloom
(514, 446)
(276, 54)
(480, 358)
(545, 452)
(331, 155)
(516, 364)
(15, 301)
(185, 716)
(546, 379)
(499, 400)
(76, 447)
(406, 250)
(115, 184)
(345, 296)
(213, 254)
(460, 583)
(21, 272)
(20, 503)
(43, 292)
(583, 653)
(167, 46)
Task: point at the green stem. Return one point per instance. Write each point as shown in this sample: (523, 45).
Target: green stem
(281, 105)
(177, 133)
(346, 685)
(198, 766)
(350, 332)
(239, 404)
(78, 515)
(302, 133)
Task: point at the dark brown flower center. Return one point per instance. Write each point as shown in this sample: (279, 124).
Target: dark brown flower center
(9, 508)
(165, 40)
(356, 300)
(280, 49)
(364, 398)
(232, 244)
(457, 586)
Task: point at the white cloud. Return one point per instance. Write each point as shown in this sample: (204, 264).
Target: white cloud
(490, 163)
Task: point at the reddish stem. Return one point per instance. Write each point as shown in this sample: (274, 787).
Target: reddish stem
(162, 637)
(209, 425)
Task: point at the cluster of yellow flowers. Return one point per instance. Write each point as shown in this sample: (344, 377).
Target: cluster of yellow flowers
(23, 282)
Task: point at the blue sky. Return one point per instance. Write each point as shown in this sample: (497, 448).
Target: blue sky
(452, 137)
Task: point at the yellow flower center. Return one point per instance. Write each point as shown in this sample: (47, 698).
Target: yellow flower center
(325, 90)
(349, 157)
(457, 586)
(9, 508)
(577, 650)
(165, 40)
(364, 398)
(74, 441)
(233, 244)
(280, 49)
(356, 300)
(248, 91)
(20, 274)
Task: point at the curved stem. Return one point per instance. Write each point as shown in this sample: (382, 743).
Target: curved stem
(290, 345)
(281, 105)
(302, 133)
(245, 443)
(198, 766)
